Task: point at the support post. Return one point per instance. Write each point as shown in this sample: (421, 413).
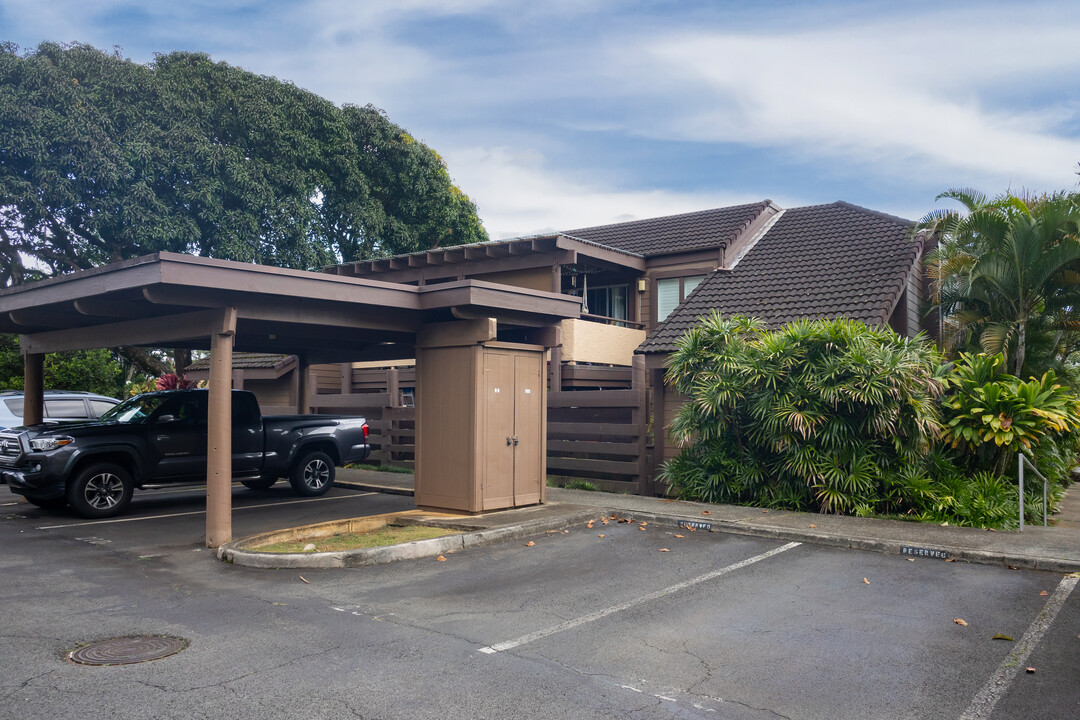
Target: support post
(303, 386)
(219, 435)
(1020, 462)
(640, 416)
(555, 368)
(393, 388)
(33, 388)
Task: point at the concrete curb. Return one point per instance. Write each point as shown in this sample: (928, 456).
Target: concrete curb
(231, 553)
(373, 487)
(887, 547)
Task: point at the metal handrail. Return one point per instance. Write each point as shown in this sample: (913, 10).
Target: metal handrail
(1024, 459)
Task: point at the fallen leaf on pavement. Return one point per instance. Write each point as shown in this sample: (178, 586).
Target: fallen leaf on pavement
(1043, 594)
(706, 512)
(679, 536)
(813, 525)
(950, 560)
(960, 621)
(866, 581)
(614, 515)
(999, 636)
(302, 578)
(624, 520)
(663, 550)
(1031, 670)
(589, 525)
(600, 535)
(944, 524)
(1074, 575)
(530, 544)
(765, 511)
(441, 559)
(641, 527)
(911, 559)
(643, 523)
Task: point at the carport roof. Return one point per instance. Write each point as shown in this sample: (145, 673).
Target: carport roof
(169, 299)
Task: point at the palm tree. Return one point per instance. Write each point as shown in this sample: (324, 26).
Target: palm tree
(1007, 265)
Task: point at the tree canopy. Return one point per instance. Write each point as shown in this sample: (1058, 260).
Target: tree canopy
(102, 159)
(1007, 272)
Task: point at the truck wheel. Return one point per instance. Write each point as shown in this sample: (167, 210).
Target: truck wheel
(48, 503)
(100, 491)
(259, 484)
(313, 474)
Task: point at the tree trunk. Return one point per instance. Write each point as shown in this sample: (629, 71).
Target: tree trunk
(1021, 341)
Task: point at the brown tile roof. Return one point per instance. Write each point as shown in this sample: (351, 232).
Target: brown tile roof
(836, 260)
(247, 361)
(701, 230)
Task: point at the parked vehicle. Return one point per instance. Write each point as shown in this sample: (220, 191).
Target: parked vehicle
(59, 405)
(161, 437)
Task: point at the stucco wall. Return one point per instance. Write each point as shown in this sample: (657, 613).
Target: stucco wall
(585, 341)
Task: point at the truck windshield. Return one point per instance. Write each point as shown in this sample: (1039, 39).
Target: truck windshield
(134, 410)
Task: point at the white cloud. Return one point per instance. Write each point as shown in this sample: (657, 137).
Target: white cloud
(516, 194)
(910, 96)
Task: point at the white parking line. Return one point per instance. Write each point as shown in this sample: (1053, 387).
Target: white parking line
(569, 624)
(983, 704)
(200, 512)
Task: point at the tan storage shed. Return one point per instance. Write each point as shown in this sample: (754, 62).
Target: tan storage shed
(480, 423)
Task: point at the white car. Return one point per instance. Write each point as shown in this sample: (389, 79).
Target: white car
(59, 405)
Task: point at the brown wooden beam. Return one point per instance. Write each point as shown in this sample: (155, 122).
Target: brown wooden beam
(219, 441)
(49, 318)
(33, 388)
(133, 332)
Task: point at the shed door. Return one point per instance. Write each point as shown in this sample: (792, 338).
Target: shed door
(529, 448)
(498, 447)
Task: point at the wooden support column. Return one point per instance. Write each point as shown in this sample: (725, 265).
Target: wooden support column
(33, 388)
(303, 386)
(219, 434)
(393, 388)
(555, 368)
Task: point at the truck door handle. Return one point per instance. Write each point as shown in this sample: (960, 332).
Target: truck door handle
(509, 440)
(515, 440)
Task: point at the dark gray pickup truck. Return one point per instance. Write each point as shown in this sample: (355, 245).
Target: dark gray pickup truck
(160, 438)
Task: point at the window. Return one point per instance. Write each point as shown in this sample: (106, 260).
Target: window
(605, 301)
(65, 409)
(97, 407)
(672, 291)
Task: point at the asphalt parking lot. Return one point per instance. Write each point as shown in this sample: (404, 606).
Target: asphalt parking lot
(169, 519)
(576, 625)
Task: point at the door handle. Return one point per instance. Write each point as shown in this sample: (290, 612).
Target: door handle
(515, 440)
(509, 440)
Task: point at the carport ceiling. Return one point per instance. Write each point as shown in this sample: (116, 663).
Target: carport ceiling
(169, 300)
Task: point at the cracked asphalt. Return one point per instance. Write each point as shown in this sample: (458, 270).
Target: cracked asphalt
(592, 627)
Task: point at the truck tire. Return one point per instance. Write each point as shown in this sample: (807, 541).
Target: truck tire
(259, 483)
(313, 474)
(48, 503)
(100, 491)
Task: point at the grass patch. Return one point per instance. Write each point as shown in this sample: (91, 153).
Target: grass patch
(381, 468)
(387, 535)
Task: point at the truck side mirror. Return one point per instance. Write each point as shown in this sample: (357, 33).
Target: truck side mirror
(166, 419)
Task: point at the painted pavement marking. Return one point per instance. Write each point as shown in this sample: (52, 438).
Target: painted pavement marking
(591, 617)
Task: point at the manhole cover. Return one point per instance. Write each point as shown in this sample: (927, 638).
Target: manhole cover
(127, 650)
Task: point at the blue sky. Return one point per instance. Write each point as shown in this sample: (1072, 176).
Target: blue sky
(566, 113)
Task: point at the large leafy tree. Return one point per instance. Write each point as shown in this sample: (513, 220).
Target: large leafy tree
(1006, 267)
(102, 159)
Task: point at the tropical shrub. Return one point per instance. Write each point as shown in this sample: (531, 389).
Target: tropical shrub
(991, 415)
(829, 415)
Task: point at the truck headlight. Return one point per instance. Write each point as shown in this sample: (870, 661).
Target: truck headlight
(46, 444)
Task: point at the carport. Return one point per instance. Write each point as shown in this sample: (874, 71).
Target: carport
(181, 301)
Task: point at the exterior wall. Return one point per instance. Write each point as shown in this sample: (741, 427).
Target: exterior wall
(534, 278)
(325, 379)
(592, 342)
(914, 298)
(658, 268)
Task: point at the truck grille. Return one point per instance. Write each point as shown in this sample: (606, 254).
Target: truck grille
(10, 449)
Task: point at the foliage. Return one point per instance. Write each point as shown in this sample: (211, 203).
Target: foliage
(172, 381)
(1008, 267)
(138, 388)
(824, 414)
(990, 415)
(103, 159)
(95, 371)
